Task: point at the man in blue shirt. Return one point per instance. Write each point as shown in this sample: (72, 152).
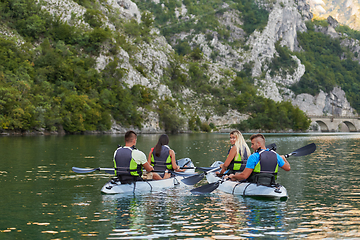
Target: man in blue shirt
(262, 161)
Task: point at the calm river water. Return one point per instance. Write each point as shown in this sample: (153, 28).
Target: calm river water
(43, 199)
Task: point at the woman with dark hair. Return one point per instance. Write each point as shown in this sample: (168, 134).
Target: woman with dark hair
(162, 158)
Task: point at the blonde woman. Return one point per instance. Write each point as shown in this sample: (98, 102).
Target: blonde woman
(237, 154)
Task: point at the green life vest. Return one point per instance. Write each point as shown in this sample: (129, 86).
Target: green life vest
(124, 164)
(238, 164)
(163, 161)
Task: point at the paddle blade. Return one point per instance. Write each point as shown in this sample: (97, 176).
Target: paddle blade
(193, 179)
(308, 149)
(110, 171)
(182, 174)
(206, 169)
(84, 170)
(207, 188)
(271, 146)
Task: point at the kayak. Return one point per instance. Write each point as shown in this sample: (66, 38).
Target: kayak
(114, 186)
(246, 188)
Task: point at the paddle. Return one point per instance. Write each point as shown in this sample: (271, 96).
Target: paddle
(112, 171)
(208, 188)
(308, 149)
(192, 180)
(197, 178)
(89, 170)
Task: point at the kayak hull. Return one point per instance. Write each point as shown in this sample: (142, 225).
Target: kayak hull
(246, 188)
(116, 187)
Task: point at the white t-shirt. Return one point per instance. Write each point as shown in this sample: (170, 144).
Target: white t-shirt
(139, 157)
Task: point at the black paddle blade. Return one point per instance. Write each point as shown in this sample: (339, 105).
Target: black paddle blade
(308, 149)
(193, 179)
(271, 146)
(84, 170)
(207, 188)
(182, 174)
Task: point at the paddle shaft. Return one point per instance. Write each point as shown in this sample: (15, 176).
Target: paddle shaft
(112, 171)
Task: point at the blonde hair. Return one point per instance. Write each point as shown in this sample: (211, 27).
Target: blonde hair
(240, 143)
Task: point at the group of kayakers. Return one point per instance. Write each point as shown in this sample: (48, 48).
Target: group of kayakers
(129, 161)
(260, 167)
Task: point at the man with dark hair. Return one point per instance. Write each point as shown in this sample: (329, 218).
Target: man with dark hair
(262, 165)
(128, 161)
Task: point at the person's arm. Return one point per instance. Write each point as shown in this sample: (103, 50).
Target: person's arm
(233, 152)
(173, 161)
(250, 165)
(241, 176)
(286, 165)
(148, 167)
(149, 157)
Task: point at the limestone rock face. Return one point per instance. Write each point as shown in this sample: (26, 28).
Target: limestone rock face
(283, 24)
(231, 117)
(345, 12)
(148, 64)
(127, 8)
(66, 9)
(328, 104)
(153, 59)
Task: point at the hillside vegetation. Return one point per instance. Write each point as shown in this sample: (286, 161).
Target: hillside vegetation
(328, 64)
(49, 78)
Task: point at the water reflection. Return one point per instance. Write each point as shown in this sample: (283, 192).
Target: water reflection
(45, 199)
(176, 213)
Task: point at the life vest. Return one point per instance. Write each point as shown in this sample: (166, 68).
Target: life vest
(265, 171)
(238, 164)
(124, 164)
(163, 161)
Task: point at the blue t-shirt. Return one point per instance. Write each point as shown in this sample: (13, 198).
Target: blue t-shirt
(255, 158)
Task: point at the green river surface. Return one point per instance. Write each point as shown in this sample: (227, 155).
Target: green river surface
(41, 198)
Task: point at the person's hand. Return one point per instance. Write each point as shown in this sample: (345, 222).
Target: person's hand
(222, 166)
(218, 174)
(232, 177)
(179, 170)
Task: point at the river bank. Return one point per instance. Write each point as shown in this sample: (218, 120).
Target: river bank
(138, 131)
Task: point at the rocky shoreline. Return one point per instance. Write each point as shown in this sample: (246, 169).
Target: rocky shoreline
(63, 133)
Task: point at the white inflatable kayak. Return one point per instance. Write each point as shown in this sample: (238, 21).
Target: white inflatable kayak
(246, 188)
(114, 186)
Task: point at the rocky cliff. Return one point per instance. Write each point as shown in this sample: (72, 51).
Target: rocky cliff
(346, 12)
(286, 18)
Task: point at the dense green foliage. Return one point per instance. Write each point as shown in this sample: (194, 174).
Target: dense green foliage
(252, 16)
(350, 32)
(51, 82)
(326, 66)
(56, 85)
(169, 116)
(282, 63)
(266, 114)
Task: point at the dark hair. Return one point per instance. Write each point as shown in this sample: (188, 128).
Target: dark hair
(129, 136)
(163, 140)
(256, 136)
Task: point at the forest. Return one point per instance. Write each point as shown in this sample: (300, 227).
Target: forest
(49, 80)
